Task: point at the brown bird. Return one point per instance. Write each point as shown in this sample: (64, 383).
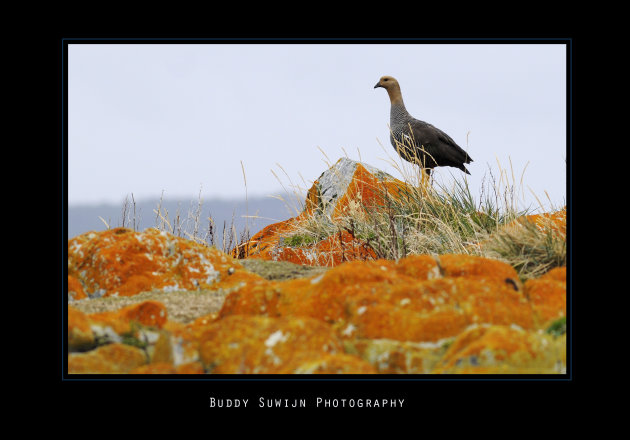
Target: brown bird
(417, 141)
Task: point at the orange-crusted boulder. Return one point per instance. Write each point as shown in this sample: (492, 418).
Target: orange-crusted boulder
(80, 335)
(75, 289)
(557, 274)
(398, 357)
(404, 301)
(107, 359)
(147, 313)
(348, 187)
(331, 251)
(257, 344)
(459, 265)
(122, 262)
(548, 295)
(505, 349)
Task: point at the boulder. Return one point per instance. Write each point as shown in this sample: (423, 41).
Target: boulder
(122, 262)
(264, 345)
(348, 187)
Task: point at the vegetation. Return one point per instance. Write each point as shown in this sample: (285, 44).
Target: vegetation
(427, 218)
(431, 219)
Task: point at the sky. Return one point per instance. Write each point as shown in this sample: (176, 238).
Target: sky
(188, 118)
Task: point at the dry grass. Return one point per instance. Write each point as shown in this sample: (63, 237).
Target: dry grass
(430, 218)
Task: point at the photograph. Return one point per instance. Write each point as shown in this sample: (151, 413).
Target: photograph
(310, 209)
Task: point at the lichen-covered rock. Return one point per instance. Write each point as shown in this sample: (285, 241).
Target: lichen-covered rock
(263, 345)
(548, 295)
(107, 359)
(419, 315)
(331, 251)
(398, 357)
(167, 368)
(75, 289)
(123, 262)
(80, 335)
(335, 364)
(142, 325)
(404, 301)
(146, 313)
(457, 265)
(505, 349)
(348, 187)
(557, 274)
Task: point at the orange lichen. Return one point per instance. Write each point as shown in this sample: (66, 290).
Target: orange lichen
(190, 368)
(413, 308)
(167, 368)
(331, 251)
(556, 222)
(548, 298)
(458, 265)
(107, 359)
(557, 274)
(75, 289)
(368, 191)
(365, 191)
(123, 262)
(419, 267)
(489, 346)
(264, 243)
(335, 364)
(79, 331)
(385, 321)
(148, 313)
(397, 357)
(256, 344)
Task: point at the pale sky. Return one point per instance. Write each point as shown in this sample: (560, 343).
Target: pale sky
(181, 117)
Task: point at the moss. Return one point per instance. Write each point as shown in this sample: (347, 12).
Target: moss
(131, 338)
(298, 240)
(558, 327)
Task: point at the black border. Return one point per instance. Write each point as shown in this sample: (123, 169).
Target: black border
(348, 386)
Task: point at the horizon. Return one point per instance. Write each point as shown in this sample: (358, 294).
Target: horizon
(180, 118)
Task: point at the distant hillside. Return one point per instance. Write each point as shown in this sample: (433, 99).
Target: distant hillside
(84, 218)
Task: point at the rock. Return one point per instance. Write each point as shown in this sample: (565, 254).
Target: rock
(147, 313)
(557, 274)
(107, 359)
(167, 368)
(143, 326)
(503, 349)
(398, 357)
(349, 185)
(182, 305)
(455, 265)
(422, 314)
(123, 262)
(80, 335)
(75, 289)
(346, 187)
(335, 364)
(548, 295)
(405, 301)
(263, 345)
(331, 251)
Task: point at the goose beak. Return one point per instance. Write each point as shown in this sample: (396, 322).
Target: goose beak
(378, 84)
